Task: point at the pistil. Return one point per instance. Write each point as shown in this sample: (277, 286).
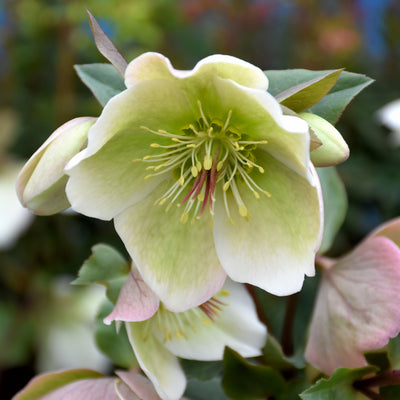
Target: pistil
(204, 154)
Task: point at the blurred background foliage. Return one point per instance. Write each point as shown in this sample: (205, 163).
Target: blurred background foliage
(41, 40)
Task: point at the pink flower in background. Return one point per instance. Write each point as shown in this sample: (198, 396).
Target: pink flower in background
(357, 306)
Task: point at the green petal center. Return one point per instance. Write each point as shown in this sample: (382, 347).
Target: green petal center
(181, 325)
(205, 153)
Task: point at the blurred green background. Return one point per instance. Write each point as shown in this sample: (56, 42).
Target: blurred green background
(41, 40)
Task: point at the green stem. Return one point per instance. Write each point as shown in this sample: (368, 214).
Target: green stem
(288, 322)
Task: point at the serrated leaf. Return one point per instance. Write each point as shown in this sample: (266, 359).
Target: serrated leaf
(338, 386)
(44, 384)
(335, 205)
(102, 80)
(304, 95)
(106, 46)
(347, 87)
(106, 267)
(115, 345)
(245, 381)
(205, 390)
(394, 352)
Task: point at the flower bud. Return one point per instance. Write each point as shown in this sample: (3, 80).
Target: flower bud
(41, 183)
(334, 149)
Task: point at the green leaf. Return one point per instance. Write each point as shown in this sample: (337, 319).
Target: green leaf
(335, 205)
(394, 352)
(201, 370)
(332, 105)
(205, 390)
(304, 95)
(102, 79)
(338, 386)
(106, 46)
(106, 267)
(273, 355)
(114, 345)
(390, 392)
(245, 381)
(44, 384)
(347, 87)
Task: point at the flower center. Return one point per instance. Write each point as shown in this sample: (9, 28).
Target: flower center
(169, 325)
(203, 155)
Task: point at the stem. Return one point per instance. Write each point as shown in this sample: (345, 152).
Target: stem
(259, 309)
(371, 394)
(287, 332)
(385, 379)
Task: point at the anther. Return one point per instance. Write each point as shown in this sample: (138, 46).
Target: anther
(243, 210)
(207, 163)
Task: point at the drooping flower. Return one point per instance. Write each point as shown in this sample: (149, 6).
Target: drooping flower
(204, 176)
(88, 385)
(158, 336)
(357, 306)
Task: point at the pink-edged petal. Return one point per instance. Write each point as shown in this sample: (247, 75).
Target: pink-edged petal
(357, 307)
(178, 261)
(390, 229)
(156, 66)
(136, 301)
(235, 325)
(159, 364)
(139, 384)
(51, 386)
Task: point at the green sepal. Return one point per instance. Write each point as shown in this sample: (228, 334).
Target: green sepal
(335, 205)
(338, 386)
(48, 383)
(107, 267)
(304, 95)
(115, 345)
(102, 79)
(245, 381)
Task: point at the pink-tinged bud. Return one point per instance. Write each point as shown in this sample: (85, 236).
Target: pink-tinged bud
(41, 183)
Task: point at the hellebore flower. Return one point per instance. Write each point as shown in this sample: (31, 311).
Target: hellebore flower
(357, 306)
(204, 176)
(88, 385)
(158, 336)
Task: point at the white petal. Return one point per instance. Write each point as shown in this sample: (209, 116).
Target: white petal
(236, 326)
